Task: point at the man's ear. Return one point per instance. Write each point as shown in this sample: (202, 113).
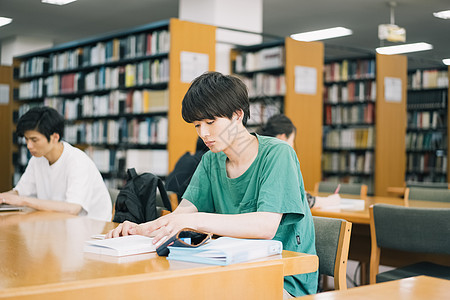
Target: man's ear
(54, 137)
(239, 114)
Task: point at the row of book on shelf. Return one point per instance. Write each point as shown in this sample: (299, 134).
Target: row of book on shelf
(427, 162)
(431, 140)
(117, 161)
(427, 79)
(349, 70)
(426, 119)
(347, 115)
(349, 138)
(261, 111)
(267, 58)
(351, 91)
(350, 162)
(123, 131)
(434, 99)
(131, 46)
(263, 84)
(114, 161)
(103, 78)
(115, 103)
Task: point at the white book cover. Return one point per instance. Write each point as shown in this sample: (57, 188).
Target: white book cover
(226, 250)
(121, 246)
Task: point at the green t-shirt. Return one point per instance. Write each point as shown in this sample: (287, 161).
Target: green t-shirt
(273, 183)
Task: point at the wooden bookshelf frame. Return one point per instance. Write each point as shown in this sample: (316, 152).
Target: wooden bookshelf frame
(192, 37)
(6, 148)
(306, 111)
(390, 126)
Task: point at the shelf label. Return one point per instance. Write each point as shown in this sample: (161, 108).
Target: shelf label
(193, 65)
(305, 80)
(4, 94)
(393, 89)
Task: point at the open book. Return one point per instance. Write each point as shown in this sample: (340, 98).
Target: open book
(121, 246)
(226, 250)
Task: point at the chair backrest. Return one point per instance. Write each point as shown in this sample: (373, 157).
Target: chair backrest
(412, 229)
(332, 244)
(427, 194)
(430, 185)
(345, 188)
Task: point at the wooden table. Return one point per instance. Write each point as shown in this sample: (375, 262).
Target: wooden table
(362, 216)
(413, 288)
(41, 257)
(360, 239)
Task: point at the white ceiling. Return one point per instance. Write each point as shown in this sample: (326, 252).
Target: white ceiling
(85, 18)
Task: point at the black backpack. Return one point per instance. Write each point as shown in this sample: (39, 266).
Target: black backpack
(137, 201)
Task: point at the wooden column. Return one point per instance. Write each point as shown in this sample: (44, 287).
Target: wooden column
(306, 110)
(390, 125)
(191, 37)
(6, 168)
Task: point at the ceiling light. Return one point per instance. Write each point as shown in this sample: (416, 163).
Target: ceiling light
(5, 21)
(446, 61)
(58, 2)
(445, 14)
(405, 48)
(322, 34)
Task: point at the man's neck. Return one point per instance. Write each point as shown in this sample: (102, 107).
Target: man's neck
(55, 153)
(241, 154)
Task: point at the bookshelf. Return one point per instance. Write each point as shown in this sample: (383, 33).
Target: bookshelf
(427, 131)
(349, 121)
(120, 94)
(364, 131)
(5, 132)
(271, 71)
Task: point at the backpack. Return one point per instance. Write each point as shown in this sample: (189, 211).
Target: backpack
(137, 201)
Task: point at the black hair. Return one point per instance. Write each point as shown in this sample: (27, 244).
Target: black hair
(277, 124)
(213, 95)
(43, 119)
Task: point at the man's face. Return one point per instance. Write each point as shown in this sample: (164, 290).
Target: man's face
(37, 143)
(218, 134)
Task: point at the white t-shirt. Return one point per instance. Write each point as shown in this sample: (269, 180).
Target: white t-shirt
(73, 178)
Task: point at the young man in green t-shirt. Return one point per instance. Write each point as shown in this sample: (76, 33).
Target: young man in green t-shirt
(246, 186)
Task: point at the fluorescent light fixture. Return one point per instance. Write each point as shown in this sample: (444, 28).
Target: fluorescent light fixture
(5, 21)
(58, 2)
(445, 14)
(405, 48)
(446, 61)
(322, 34)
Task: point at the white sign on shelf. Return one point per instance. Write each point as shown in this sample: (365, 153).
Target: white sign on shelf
(305, 80)
(392, 89)
(193, 65)
(4, 94)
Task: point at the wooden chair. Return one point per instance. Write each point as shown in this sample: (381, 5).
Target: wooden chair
(410, 229)
(345, 188)
(426, 194)
(332, 244)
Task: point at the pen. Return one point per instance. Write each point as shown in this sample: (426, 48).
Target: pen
(337, 189)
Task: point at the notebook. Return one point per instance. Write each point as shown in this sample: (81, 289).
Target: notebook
(225, 251)
(121, 246)
(8, 207)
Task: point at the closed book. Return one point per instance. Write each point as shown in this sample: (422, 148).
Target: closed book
(225, 251)
(121, 246)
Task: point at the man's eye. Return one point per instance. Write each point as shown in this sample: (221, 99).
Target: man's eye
(209, 122)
